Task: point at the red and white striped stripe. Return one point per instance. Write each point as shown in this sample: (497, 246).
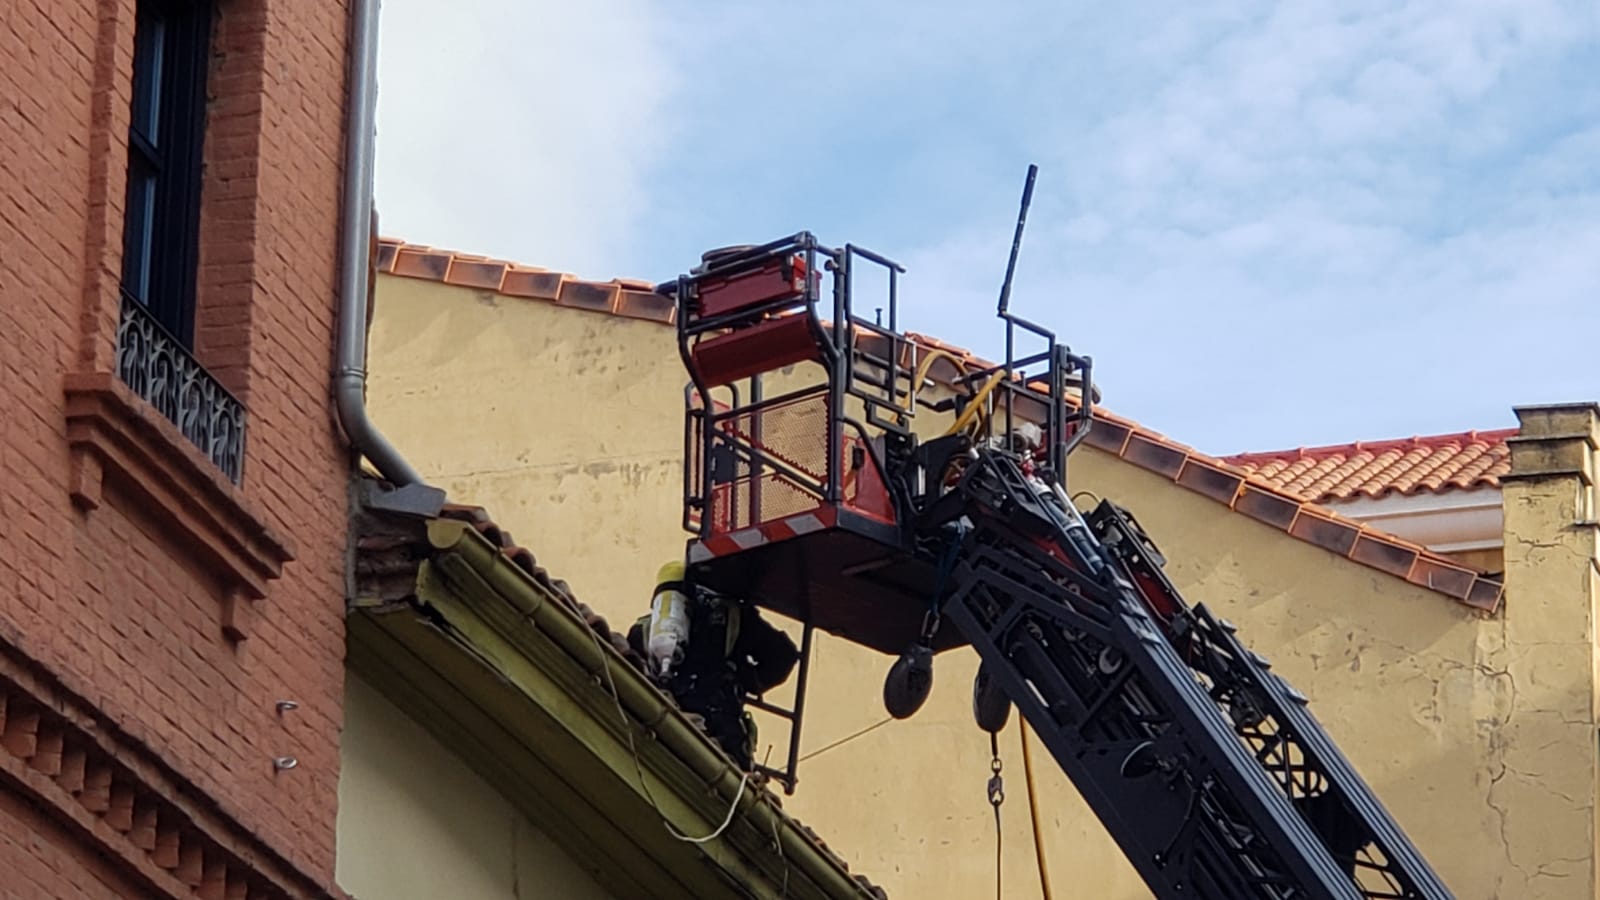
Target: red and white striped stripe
(766, 533)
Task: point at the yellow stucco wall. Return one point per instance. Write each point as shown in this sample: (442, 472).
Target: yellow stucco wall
(1544, 782)
(567, 425)
(416, 824)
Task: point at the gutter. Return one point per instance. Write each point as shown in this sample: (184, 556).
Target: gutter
(355, 251)
(642, 701)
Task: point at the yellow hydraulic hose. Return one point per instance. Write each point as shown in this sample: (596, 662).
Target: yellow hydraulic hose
(975, 405)
(1033, 811)
(927, 363)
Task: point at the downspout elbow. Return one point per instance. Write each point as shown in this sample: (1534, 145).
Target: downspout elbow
(350, 375)
(349, 392)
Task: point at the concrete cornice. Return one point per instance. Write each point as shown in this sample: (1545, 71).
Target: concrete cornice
(1556, 440)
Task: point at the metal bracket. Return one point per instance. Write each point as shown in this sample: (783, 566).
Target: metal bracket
(421, 500)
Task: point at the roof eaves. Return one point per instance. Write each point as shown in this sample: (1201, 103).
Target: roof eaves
(483, 569)
(654, 716)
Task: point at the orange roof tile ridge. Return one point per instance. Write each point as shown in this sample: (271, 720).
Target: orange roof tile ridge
(1425, 441)
(630, 298)
(1461, 460)
(1263, 499)
(1238, 488)
(1244, 492)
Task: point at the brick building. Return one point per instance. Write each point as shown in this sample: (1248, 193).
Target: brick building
(172, 478)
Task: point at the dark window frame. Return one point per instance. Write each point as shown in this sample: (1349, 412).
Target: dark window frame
(166, 139)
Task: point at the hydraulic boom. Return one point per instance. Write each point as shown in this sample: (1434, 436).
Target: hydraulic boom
(809, 491)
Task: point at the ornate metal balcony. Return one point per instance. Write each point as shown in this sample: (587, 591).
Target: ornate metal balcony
(158, 368)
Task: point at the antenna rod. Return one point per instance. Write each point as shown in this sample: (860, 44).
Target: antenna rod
(1016, 241)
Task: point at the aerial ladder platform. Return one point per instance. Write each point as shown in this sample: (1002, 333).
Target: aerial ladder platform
(829, 479)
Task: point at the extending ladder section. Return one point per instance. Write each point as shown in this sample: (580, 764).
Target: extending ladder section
(1206, 768)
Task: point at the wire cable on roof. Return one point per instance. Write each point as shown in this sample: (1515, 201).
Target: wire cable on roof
(733, 808)
(638, 767)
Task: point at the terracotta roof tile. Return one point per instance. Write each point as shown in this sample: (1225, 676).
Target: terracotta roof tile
(416, 262)
(473, 273)
(588, 295)
(627, 297)
(480, 520)
(1415, 465)
(646, 304)
(533, 284)
(1277, 489)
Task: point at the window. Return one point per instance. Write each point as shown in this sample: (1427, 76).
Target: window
(161, 228)
(161, 232)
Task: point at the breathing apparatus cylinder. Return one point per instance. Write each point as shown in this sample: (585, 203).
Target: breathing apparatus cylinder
(668, 635)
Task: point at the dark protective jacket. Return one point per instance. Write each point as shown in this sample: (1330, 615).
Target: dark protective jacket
(732, 651)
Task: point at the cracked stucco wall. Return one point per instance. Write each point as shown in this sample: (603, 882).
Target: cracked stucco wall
(1541, 771)
(567, 425)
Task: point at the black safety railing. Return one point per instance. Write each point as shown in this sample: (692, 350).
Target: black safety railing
(1061, 362)
(741, 457)
(879, 370)
(160, 369)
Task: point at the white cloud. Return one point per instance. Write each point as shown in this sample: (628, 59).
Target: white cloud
(1318, 219)
(1313, 218)
(525, 130)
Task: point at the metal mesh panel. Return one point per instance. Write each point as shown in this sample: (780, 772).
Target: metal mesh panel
(793, 433)
(762, 460)
(750, 502)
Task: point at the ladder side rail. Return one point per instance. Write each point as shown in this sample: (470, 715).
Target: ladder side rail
(1311, 763)
(1293, 719)
(1224, 829)
(1048, 698)
(1000, 498)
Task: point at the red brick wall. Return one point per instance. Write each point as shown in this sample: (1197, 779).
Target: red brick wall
(39, 860)
(108, 600)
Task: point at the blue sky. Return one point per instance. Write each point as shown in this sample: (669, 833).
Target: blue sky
(1271, 224)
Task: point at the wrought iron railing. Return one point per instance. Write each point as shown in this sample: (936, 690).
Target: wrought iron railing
(158, 368)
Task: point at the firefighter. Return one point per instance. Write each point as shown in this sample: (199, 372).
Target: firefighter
(709, 651)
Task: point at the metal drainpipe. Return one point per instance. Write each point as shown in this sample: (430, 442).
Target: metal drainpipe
(350, 373)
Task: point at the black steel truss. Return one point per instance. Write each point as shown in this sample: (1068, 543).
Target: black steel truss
(1274, 720)
(1212, 792)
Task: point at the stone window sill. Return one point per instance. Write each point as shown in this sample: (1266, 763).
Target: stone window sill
(117, 437)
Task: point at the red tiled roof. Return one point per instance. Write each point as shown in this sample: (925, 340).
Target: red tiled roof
(1240, 489)
(478, 518)
(1414, 465)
